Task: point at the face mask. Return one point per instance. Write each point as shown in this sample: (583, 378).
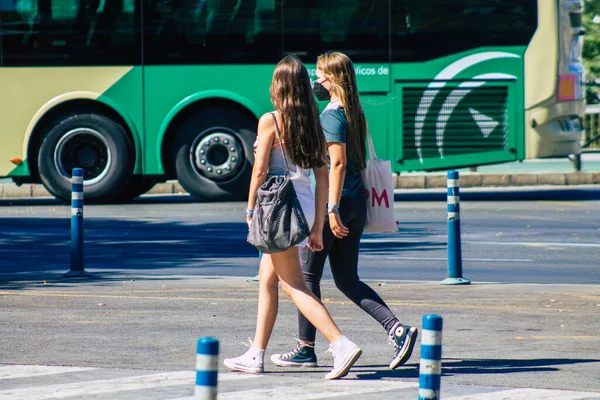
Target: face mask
(320, 92)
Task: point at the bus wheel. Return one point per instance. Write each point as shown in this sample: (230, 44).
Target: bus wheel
(214, 154)
(93, 142)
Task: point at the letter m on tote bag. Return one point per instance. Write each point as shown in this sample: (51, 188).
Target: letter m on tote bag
(379, 188)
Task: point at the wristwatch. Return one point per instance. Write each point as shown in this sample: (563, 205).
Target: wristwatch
(333, 208)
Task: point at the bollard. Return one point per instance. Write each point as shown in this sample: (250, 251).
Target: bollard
(207, 367)
(430, 368)
(454, 252)
(77, 269)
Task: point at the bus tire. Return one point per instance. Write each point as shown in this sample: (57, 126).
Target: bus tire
(90, 141)
(214, 154)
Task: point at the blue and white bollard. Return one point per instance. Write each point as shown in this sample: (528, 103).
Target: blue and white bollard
(207, 367)
(454, 252)
(430, 368)
(77, 268)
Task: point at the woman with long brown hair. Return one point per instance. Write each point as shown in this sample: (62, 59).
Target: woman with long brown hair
(345, 128)
(303, 143)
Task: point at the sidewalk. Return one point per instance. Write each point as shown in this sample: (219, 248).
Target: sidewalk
(529, 173)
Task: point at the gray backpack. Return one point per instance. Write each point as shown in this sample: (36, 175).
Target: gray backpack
(278, 222)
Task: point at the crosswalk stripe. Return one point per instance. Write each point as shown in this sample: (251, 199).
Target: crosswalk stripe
(26, 371)
(527, 394)
(307, 390)
(315, 391)
(235, 376)
(89, 388)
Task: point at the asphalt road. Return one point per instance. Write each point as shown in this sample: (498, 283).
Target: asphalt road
(166, 273)
(514, 242)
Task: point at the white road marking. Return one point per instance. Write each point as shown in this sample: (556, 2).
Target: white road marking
(26, 233)
(26, 371)
(446, 259)
(528, 394)
(22, 251)
(321, 390)
(390, 240)
(121, 242)
(89, 388)
(538, 244)
(398, 239)
(308, 391)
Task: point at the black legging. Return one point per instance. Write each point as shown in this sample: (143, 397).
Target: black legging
(343, 258)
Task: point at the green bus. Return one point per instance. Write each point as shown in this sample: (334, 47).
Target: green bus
(137, 92)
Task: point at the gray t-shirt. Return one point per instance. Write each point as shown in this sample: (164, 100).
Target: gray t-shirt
(335, 127)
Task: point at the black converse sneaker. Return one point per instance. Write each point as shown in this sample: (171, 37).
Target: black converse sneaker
(302, 356)
(403, 337)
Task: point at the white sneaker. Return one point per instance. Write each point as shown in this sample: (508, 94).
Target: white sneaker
(345, 353)
(247, 362)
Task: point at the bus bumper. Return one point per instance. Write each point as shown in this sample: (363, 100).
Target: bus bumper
(554, 131)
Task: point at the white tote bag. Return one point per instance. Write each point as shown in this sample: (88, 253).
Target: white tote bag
(379, 187)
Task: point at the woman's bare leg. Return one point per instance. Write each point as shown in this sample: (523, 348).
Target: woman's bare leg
(253, 359)
(268, 302)
(286, 265)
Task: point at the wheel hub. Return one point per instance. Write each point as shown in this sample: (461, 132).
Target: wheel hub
(218, 155)
(86, 157)
(83, 148)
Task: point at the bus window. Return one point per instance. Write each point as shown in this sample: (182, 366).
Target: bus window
(359, 28)
(430, 29)
(212, 31)
(70, 32)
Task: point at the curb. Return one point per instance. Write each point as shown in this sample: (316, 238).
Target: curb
(497, 179)
(404, 181)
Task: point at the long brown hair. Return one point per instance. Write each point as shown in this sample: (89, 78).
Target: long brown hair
(338, 68)
(291, 94)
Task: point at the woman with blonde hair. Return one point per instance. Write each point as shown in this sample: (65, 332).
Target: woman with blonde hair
(293, 126)
(345, 128)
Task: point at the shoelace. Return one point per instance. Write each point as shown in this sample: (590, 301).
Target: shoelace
(299, 346)
(292, 354)
(392, 335)
(246, 344)
(336, 361)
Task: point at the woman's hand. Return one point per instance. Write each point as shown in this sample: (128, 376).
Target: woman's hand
(315, 240)
(338, 229)
(249, 215)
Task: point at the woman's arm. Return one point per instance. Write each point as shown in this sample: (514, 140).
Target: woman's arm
(315, 240)
(337, 173)
(322, 184)
(337, 170)
(264, 143)
(335, 128)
